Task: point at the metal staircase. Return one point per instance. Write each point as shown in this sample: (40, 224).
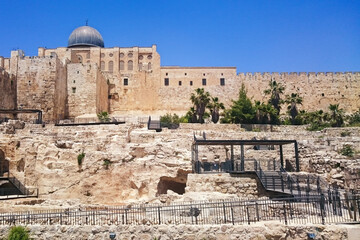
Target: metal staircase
(154, 125)
(14, 188)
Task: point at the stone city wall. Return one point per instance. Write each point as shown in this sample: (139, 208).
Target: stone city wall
(265, 230)
(41, 84)
(317, 89)
(8, 85)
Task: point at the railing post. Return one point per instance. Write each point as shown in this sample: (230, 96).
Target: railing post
(322, 208)
(224, 213)
(298, 187)
(285, 214)
(282, 183)
(318, 184)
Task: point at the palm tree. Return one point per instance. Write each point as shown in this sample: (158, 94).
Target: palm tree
(336, 116)
(275, 90)
(293, 100)
(265, 113)
(214, 107)
(200, 99)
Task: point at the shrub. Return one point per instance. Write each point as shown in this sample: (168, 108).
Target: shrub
(107, 163)
(345, 133)
(347, 150)
(80, 158)
(103, 117)
(19, 233)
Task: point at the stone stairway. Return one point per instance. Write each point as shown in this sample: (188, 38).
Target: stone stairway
(11, 187)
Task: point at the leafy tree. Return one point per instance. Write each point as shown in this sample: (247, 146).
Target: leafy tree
(241, 111)
(336, 115)
(275, 89)
(200, 99)
(215, 106)
(294, 99)
(265, 113)
(19, 233)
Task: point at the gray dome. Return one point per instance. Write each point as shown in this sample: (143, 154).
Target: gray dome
(85, 36)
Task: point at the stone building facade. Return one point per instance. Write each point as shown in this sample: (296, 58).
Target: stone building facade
(86, 78)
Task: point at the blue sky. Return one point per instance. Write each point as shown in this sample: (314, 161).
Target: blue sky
(254, 36)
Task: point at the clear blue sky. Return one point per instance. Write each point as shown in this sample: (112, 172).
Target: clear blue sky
(254, 36)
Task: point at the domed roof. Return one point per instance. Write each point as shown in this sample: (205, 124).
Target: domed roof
(85, 36)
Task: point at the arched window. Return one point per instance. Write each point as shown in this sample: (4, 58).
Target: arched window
(149, 66)
(102, 65)
(79, 57)
(140, 66)
(130, 65)
(111, 66)
(122, 65)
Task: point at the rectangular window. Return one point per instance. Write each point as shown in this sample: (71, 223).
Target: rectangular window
(222, 81)
(73, 90)
(190, 83)
(126, 81)
(204, 81)
(166, 82)
(180, 83)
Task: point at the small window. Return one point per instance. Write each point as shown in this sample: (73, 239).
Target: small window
(222, 81)
(77, 72)
(88, 55)
(111, 54)
(103, 55)
(79, 58)
(73, 90)
(166, 74)
(166, 82)
(203, 74)
(74, 81)
(141, 57)
(121, 55)
(149, 66)
(126, 81)
(140, 66)
(323, 95)
(130, 55)
(191, 83)
(222, 74)
(180, 83)
(102, 65)
(185, 74)
(149, 57)
(204, 81)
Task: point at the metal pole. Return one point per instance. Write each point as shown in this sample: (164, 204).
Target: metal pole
(281, 156)
(232, 157)
(297, 156)
(242, 165)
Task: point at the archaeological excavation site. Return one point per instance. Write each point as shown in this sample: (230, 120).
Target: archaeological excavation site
(105, 143)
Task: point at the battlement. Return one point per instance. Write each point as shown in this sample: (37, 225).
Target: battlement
(296, 74)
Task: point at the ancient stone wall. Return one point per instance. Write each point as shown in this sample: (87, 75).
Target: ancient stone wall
(266, 230)
(8, 85)
(41, 85)
(223, 183)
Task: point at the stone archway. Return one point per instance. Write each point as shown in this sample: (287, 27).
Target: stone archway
(4, 164)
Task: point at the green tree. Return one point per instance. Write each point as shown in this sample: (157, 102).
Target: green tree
(265, 113)
(215, 106)
(200, 100)
(19, 233)
(293, 100)
(275, 89)
(241, 111)
(336, 115)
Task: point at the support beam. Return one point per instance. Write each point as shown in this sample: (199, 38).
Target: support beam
(232, 157)
(242, 158)
(281, 156)
(297, 156)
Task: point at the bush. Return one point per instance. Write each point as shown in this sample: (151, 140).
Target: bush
(19, 233)
(347, 150)
(80, 158)
(172, 120)
(107, 163)
(103, 117)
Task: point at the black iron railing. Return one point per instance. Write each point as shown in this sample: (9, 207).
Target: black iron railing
(18, 190)
(312, 210)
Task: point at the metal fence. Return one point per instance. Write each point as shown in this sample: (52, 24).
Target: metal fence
(300, 211)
